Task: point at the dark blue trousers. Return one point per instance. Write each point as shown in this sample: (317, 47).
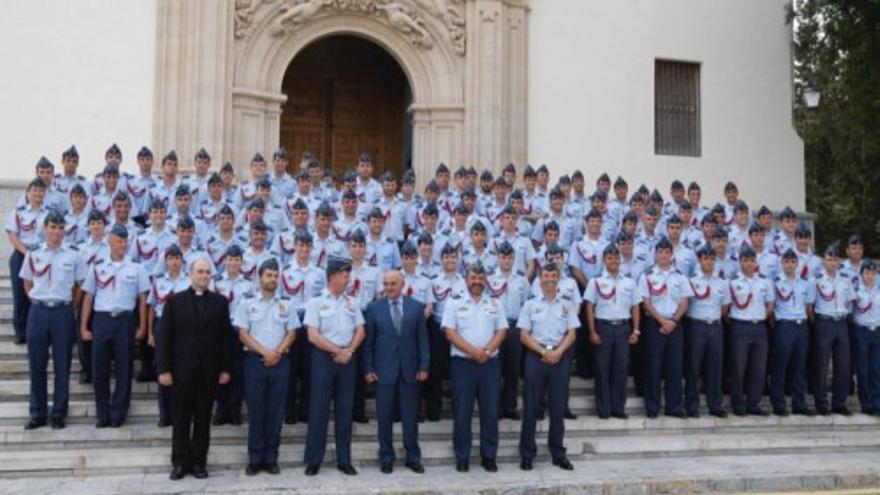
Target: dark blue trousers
(330, 381)
(405, 396)
(300, 371)
(663, 363)
(439, 369)
(611, 365)
(791, 341)
(475, 382)
(511, 354)
(266, 390)
(166, 404)
(540, 378)
(831, 342)
(748, 356)
(229, 396)
(704, 357)
(20, 301)
(867, 347)
(55, 328)
(84, 351)
(112, 340)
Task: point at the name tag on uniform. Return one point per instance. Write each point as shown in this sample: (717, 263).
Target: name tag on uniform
(325, 311)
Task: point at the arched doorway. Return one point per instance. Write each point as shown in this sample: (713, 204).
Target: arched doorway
(346, 95)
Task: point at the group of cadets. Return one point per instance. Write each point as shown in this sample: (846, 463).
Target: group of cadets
(517, 285)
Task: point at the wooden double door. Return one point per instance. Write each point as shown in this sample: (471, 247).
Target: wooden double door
(346, 95)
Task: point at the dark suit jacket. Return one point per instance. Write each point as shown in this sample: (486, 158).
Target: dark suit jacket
(394, 357)
(189, 345)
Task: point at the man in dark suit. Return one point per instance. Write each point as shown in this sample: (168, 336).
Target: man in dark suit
(396, 358)
(192, 358)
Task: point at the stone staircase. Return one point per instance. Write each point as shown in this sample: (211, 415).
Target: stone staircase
(83, 454)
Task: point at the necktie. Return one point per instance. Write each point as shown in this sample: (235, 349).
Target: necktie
(396, 317)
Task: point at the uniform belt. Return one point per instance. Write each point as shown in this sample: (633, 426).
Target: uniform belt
(704, 321)
(750, 322)
(615, 323)
(115, 314)
(870, 328)
(796, 322)
(51, 304)
(830, 318)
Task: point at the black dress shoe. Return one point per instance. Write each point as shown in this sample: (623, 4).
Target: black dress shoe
(290, 419)
(20, 341)
(433, 417)
(622, 415)
(115, 423)
(604, 416)
(415, 467)
(312, 469)
(361, 418)
(199, 472)
(693, 414)
(539, 415)
(235, 420)
(387, 467)
(563, 463)
(651, 415)
(718, 414)
(84, 378)
(781, 412)
(164, 423)
(677, 414)
(842, 410)
(57, 423)
(489, 465)
(739, 412)
(526, 465)
(347, 469)
(271, 468)
(178, 473)
(218, 421)
(511, 415)
(758, 412)
(803, 412)
(252, 469)
(33, 424)
(462, 466)
(567, 414)
(823, 411)
(102, 423)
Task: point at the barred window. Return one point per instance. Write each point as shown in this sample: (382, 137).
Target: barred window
(676, 108)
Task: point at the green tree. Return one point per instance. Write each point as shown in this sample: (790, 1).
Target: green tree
(837, 53)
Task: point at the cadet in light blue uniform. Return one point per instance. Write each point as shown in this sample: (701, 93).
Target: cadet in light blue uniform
(114, 314)
(475, 325)
(834, 294)
(267, 326)
(710, 297)
(613, 324)
(24, 226)
(866, 317)
(791, 337)
(336, 329)
(751, 297)
(664, 292)
(50, 274)
(547, 325)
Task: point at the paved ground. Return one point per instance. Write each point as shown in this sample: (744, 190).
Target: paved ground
(768, 473)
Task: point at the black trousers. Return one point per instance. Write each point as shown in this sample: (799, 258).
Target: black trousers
(439, 370)
(193, 400)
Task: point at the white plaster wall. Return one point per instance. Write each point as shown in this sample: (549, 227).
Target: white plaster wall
(75, 72)
(591, 93)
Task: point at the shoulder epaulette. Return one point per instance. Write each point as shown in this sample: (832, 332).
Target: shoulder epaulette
(21, 208)
(285, 298)
(520, 272)
(456, 296)
(218, 277)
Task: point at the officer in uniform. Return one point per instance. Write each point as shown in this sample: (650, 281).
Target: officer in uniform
(267, 326)
(114, 314)
(512, 290)
(751, 297)
(163, 287)
(50, 274)
(834, 293)
(866, 319)
(613, 322)
(791, 337)
(335, 326)
(444, 286)
(704, 334)
(664, 292)
(24, 226)
(547, 328)
(232, 285)
(475, 325)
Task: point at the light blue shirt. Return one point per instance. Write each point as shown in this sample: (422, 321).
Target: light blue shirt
(365, 284)
(233, 289)
(547, 321)
(116, 285)
(301, 283)
(708, 296)
(27, 223)
(383, 253)
(833, 295)
(163, 288)
(748, 297)
(792, 296)
(586, 256)
(476, 322)
(511, 290)
(53, 272)
(335, 318)
(523, 250)
(664, 289)
(613, 297)
(866, 306)
(418, 287)
(443, 288)
(268, 321)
